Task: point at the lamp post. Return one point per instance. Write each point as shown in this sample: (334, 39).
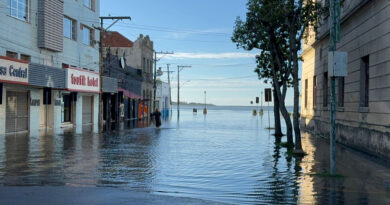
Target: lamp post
(179, 68)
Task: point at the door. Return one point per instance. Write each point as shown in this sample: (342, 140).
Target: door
(67, 108)
(17, 112)
(87, 109)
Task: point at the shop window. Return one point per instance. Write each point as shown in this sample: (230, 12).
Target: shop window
(69, 28)
(364, 81)
(18, 9)
(11, 54)
(25, 57)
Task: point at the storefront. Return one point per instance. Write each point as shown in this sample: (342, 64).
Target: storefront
(80, 104)
(14, 96)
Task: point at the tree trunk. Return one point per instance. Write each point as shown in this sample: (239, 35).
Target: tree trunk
(287, 119)
(278, 128)
(297, 130)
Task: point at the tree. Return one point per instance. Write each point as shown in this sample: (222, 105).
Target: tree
(257, 32)
(277, 28)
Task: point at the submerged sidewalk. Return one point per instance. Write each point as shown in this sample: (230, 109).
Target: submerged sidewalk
(86, 195)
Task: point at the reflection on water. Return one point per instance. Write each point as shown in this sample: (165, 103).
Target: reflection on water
(225, 156)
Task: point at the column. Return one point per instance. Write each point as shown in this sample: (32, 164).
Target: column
(79, 113)
(35, 95)
(96, 113)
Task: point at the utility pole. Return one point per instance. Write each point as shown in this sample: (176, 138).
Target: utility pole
(155, 75)
(169, 83)
(334, 38)
(102, 31)
(179, 68)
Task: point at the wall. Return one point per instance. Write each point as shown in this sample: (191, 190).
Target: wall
(2, 112)
(74, 53)
(365, 32)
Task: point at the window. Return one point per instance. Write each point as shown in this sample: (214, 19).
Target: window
(364, 81)
(69, 28)
(340, 100)
(325, 90)
(147, 65)
(306, 93)
(87, 36)
(151, 66)
(18, 9)
(11, 54)
(25, 57)
(89, 4)
(144, 65)
(314, 91)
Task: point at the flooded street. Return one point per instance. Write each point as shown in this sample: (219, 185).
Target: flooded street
(226, 156)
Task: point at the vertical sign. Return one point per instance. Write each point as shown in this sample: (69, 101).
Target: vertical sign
(268, 95)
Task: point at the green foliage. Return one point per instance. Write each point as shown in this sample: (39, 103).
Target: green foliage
(271, 22)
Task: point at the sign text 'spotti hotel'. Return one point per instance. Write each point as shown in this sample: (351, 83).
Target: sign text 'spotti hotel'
(49, 63)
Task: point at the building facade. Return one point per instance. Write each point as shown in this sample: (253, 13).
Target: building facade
(49, 63)
(362, 100)
(137, 55)
(163, 98)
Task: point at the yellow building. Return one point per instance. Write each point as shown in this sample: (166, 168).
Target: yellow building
(363, 97)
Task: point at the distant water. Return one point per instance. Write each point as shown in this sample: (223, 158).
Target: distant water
(232, 108)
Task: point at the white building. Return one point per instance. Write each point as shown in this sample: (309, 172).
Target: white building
(163, 98)
(49, 63)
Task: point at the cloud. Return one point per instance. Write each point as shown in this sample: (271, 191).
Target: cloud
(232, 55)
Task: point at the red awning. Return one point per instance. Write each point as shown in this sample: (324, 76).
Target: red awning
(129, 94)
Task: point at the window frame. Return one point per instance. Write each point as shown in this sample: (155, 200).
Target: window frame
(306, 89)
(91, 4)
(9, 9)
(25, 57)
(73, 28)
(364, 81)
(341, 91)
(12, 54)
(91, 35)
(325, 87)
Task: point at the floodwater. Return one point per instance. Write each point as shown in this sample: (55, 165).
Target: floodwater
(226, 156)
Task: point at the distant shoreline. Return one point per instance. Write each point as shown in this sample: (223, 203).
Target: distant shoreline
(191, 103)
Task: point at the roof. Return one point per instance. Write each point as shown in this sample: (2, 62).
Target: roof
(115, 39)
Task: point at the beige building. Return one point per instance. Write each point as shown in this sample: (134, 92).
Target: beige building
(138, 54)
(363, 97)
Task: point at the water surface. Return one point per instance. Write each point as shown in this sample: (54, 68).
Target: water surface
(226, 156)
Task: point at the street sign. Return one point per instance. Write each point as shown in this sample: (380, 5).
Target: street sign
(268, 94)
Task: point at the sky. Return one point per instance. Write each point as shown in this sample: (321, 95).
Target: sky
(199, 33)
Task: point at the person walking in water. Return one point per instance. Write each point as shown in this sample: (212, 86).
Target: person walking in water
(157, 117)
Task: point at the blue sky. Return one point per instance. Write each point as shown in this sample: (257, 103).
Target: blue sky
(199, 33)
